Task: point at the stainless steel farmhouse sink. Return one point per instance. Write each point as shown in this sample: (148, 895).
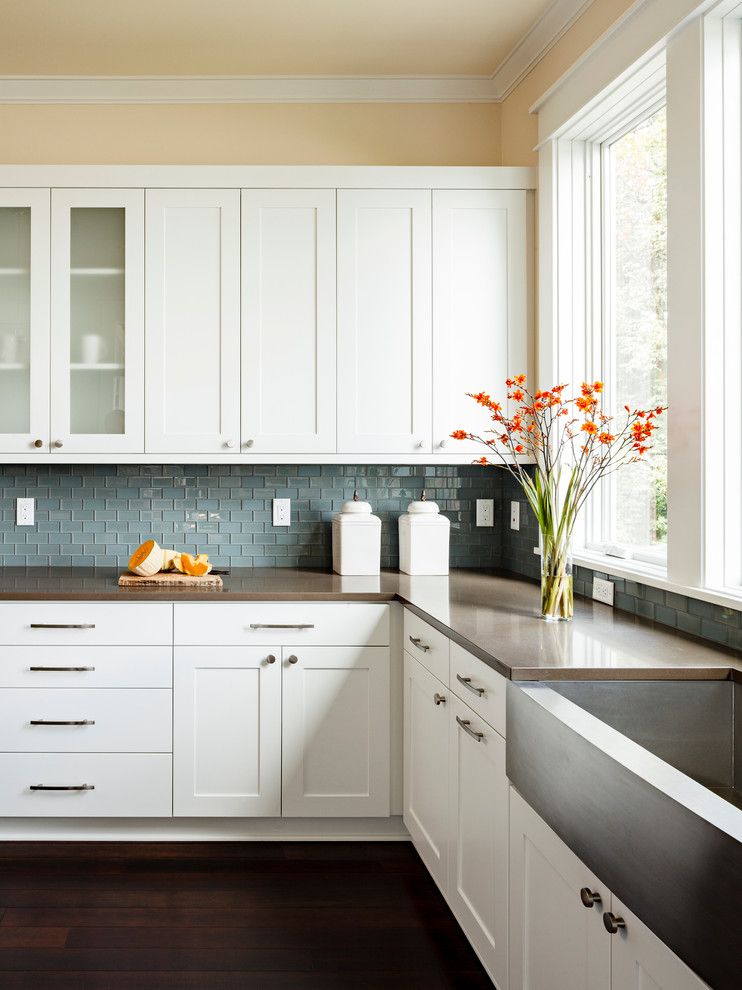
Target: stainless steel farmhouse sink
(643, 780)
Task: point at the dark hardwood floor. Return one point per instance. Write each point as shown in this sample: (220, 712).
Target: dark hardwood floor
(325, 916)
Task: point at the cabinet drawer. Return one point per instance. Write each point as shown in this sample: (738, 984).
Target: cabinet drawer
(118, 721)
(289, 623)
(120, 785)
(427, 645)
(86, 666)
(479, 686)
(85, 623)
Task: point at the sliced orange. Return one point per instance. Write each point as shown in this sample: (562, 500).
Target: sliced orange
(146, 559)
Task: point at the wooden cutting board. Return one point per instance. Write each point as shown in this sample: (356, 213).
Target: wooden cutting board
(170, 579)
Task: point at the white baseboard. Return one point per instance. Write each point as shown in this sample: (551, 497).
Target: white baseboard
(203, 829)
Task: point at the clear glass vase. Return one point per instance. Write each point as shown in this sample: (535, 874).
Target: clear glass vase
(557, 596)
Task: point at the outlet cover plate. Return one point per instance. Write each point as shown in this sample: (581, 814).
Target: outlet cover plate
(485, 512)
(24, 511)
(603, 591)
(281, 511)
(515, 515)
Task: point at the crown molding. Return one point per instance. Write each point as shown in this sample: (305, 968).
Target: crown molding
(246, 89)
(542, 36)
(556, 20)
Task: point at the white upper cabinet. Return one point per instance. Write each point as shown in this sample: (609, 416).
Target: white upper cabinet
(97, 321)
(384, 321)
(193, 321)
(481, 313)
(288, 321)
(24, 321)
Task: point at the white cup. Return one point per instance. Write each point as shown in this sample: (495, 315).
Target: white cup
(8, 348)
(92, 348)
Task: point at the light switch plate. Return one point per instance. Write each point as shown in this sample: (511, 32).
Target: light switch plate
(281, 511)
(603, 591)
(515, 515)
(24, 511)
(485, 512)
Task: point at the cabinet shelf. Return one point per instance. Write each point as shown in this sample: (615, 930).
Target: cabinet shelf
(96, 271)
(14, 366)
(14, 271)
(105, 366)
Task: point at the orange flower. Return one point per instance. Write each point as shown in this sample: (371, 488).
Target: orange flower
(519, 448)
(606, 438)
(520, 379)
(597, 386)
(589, 427)
(481, 460)
(517, 395)
(460, 435)
(586, 389)
(585, 402)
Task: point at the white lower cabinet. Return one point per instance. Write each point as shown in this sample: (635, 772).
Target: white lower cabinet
(336, 743)
(426, 766)
(478, 857)
(640, 961)
(227, 731)
(456, 810)
(559, 943)
(556, 943)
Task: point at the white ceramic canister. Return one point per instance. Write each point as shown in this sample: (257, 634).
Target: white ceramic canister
(356, 539)
(423, 539)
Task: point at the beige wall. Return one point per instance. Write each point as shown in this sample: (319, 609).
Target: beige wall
(298, 133)
(518, 127)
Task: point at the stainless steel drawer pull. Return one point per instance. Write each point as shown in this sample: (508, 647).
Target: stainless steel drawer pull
(612, 923)
(282, 625)
(63, 625)
(56, 787)
(416, 641)
(466, 726)
(439, 699)
(466, 681)
(62, 668)
(49, 721)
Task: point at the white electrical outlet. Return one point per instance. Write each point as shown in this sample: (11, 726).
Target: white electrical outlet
(515, 515)
(281, 511)
(485, 512)
(603, 591)
(24, 511)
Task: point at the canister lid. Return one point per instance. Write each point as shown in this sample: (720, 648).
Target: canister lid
(423, 506)
(356, 506)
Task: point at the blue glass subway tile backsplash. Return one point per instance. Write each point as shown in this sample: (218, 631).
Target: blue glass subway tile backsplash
(96, 515)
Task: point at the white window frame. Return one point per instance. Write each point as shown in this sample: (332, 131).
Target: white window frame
(680, 38)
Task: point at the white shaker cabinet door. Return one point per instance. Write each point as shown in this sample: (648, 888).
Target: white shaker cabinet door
(640, 961)
(193, 321)
(97, 321)
(288, 321)
(478, 852)
(426, 766)
(24, 321)
(384, 321)
(556, 942)
(336, 747)
(227, 731)
(481, 310)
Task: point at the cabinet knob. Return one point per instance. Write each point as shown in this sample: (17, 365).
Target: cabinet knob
(443, 443)
(38, 443)
(58, 444)
(420, 443)
(439, 699)
(249, 443)
(270, 658)
(612, 923)
(589, 897)
(293, 658)
(229, 443)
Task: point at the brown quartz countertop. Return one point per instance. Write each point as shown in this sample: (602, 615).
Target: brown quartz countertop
(493, 615)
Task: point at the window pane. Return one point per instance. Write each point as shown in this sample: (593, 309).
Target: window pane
(637, 339)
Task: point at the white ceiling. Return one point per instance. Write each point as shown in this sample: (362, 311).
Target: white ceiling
(262, 37)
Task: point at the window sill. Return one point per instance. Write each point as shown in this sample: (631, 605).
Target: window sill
(655, 577)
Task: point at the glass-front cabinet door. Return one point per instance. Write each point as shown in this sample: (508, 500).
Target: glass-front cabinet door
(97, 321)
(24, 321)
